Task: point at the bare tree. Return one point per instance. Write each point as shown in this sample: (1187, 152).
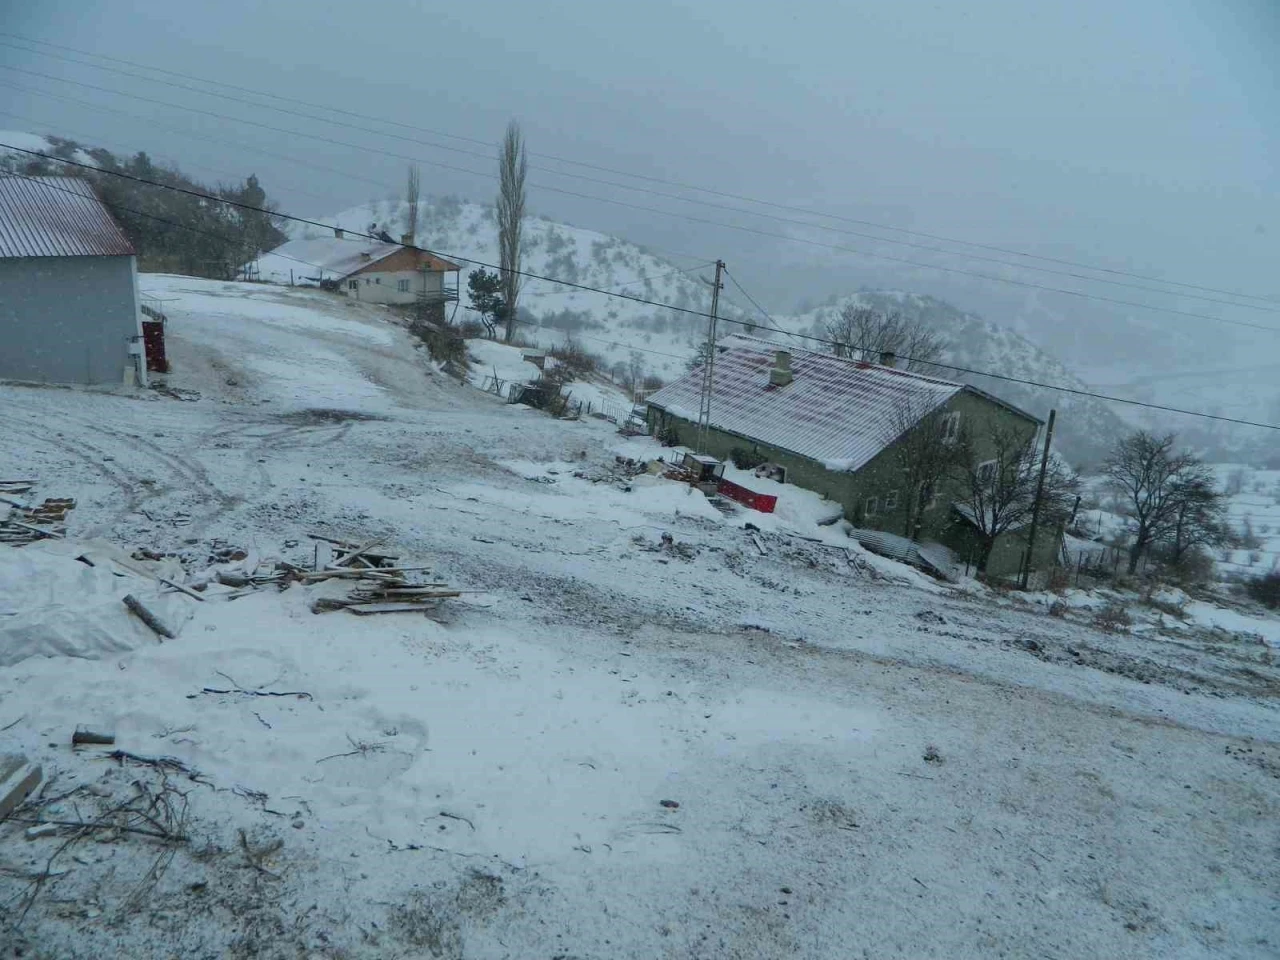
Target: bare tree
(1153, 480)
(412, 194)
(512, 164)
(925, 446)
(999, 493)
(866, 334)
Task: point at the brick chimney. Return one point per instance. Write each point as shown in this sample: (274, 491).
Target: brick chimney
(338, 232)
(781, 375)
(888, 358)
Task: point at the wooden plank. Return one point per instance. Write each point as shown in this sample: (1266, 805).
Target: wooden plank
(350, 557)
(367, 609)
(18, 779)
(147, 617)
(759, 545)
(51, 534)
(324, 554)
(177, 586)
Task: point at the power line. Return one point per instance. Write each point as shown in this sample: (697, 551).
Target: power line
(298, 161)
(763, 312)
(654, 303)
(1272, 307)
(1271, 301)
(682, 216)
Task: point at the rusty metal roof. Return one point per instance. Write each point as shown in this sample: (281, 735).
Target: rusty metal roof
(56, 217)
(836, 411)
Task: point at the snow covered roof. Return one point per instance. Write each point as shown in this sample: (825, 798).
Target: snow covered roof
(836, 411)
(337, 257)
(56, 217)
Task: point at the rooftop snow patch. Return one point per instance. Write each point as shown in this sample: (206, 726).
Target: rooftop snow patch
(836, 411)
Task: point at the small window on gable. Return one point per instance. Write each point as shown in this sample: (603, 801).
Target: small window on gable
(986, 472)
(951, 428)
(402, 286)
(873, 506)
(891, 500)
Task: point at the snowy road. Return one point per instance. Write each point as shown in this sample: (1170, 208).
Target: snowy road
(1084, 795)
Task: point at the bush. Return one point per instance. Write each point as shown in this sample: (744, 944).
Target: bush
(444, 344)
(1113, 618)
(578, 361)
(669, 436)
(745, 459)
(1265, 589)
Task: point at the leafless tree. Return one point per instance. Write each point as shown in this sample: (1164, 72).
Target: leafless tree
(999, 492)
(924, 444)
(1154, 481)
(412, 194)
(512, 164)
(866, 334)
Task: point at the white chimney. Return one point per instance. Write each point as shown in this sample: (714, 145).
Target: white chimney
(338, 232)
(888, 358)
(407, 239)
(781, 375)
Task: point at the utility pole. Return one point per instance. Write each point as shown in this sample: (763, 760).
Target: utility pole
(709, 364)
(1035, 509)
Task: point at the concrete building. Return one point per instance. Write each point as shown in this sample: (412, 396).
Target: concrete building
(68, 286)
(831, 424)
(375, 271)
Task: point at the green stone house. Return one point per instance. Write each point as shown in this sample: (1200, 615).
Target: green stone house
(830, 424)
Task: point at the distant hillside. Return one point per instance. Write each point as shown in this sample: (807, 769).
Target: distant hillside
(614, 327)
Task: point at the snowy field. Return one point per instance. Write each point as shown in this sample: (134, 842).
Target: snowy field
(609, 746)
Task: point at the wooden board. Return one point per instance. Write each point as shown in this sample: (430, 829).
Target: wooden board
(18, 779)
(366, 609)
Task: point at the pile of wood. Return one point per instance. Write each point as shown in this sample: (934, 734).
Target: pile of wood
(24, 524)
(379, 583)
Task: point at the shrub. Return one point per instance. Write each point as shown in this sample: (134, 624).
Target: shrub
(669, 436)
(1113, 618)
(471, 329)
(444, 343)
(578, 361)
(1059, 580)
(1265, 589)
(745, 459)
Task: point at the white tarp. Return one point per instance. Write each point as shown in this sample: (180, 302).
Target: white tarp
(54, 605)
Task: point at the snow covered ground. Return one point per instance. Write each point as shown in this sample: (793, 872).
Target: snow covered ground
(855, 761)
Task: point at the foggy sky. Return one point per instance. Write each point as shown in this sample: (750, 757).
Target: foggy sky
(1139, 136)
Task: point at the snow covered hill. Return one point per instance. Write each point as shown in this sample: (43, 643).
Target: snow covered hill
(665, 339)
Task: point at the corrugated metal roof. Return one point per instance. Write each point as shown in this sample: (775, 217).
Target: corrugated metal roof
(56, 217)
(336, 258)
(836, 411)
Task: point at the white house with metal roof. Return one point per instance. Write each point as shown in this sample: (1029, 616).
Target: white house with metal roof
(68, 286)
(376, 271)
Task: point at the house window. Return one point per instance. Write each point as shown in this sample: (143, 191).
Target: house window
(353, 284)
(377, 279)
(873, 506)
(366, 281)
(402, 286)
(986, 472)
(891, 500)
(951, 428)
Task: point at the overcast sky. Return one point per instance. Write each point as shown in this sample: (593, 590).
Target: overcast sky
(1140, 136)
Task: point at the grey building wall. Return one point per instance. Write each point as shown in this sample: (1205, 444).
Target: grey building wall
(67, 319)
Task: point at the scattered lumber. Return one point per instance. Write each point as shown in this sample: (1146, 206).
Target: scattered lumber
(25, 524)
